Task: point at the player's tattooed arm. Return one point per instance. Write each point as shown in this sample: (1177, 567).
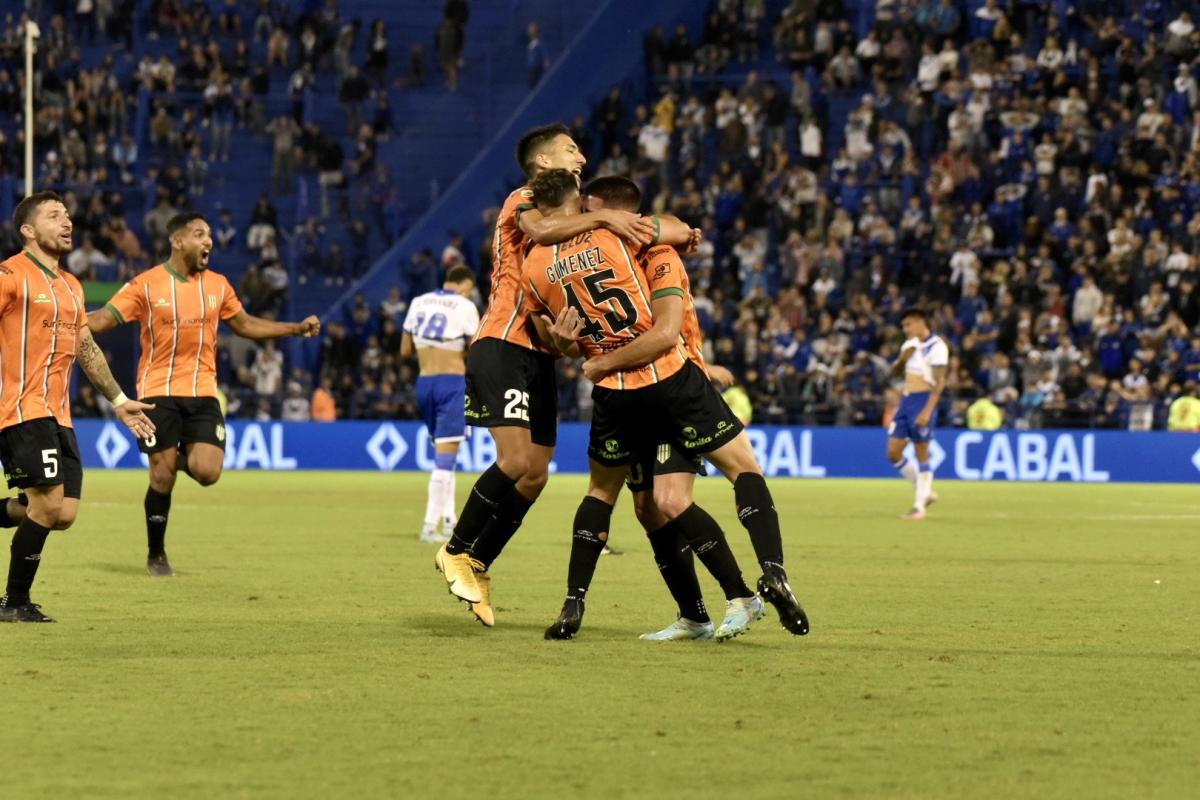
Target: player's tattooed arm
(252, 327)
(636, 230)
(93, 363)
(668, 319)
(95, 366)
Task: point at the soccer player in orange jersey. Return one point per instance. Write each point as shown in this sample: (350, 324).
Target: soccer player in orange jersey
(696, 421)
(43, 332)
(510, 374)
(618, 304)
(179, 304)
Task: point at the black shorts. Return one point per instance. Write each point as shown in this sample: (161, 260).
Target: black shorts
(182, 421)
(508, 385)
(685, 411)
(663, 459)
(42, 453)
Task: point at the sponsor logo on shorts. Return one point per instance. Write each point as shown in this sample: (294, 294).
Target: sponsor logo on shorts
(694, 440)
(664, 453)
(611, 445)
(220, 432)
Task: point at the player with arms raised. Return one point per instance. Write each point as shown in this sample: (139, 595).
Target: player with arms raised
(179, 304)
(437, 327)
(43, 332)
(923, 360)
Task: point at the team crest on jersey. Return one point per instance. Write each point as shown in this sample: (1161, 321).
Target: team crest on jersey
(41, 298)
(212, 302)
(528, 193)
(161, 303)
(220, 432)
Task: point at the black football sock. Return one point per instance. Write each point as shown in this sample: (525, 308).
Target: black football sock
(590, 533)
(158, 507)
(485, 500)
(756, 512)
(507, 520)
(6, 520)
(709, 544)
(678, 570)
(27, 544)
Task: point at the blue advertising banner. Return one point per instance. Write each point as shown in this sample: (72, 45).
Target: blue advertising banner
(1044, 455)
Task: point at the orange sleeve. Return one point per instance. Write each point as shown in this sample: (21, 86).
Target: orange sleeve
(129, 303)
(664, 272)
(231, 306)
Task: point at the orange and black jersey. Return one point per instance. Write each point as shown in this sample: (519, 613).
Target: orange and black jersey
(41, 313)
(613, 293)
(661, 262)
(179, 316)
(506, 318)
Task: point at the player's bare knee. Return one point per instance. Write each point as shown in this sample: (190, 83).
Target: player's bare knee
(206, 477)
(533, 481)
(670, 501)
(66, 518)
(162, 479)
(514, 465)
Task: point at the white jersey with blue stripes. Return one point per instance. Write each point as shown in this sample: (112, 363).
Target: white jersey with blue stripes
(442, 319)
(927, 354)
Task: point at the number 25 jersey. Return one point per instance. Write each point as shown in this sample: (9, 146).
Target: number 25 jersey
(596, 274)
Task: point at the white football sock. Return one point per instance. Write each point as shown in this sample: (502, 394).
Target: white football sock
(449, 503)
(924, 488)
(908, 470)
(436, 498)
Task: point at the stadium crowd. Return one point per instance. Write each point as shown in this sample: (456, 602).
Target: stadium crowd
(1026, 170)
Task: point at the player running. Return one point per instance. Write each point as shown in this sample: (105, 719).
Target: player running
(179, 304)
(510, 376)
(437, 328)
(43, 332)
(923, 361)
(662, 479)
(661, 395)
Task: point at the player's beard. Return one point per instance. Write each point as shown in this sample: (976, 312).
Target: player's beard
(51, 246)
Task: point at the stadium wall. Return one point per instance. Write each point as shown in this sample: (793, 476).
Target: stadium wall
(1043, 455)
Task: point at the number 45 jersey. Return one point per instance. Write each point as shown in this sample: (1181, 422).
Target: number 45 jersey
(597, 275)
(442, 319)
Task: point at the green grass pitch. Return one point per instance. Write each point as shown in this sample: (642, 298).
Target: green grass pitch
(1025, 641)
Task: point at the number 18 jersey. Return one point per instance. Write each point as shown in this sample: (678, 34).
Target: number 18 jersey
(443, 319)
(596, 274)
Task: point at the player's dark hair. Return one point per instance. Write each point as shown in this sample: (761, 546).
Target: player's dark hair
(534, 140)
(26, 207)
(616, 191)
(913, 311)
(459, 274)
(552, 188)
(181, 221)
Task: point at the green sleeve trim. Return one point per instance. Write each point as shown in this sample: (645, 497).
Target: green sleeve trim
(657, 228)
(115, 313)
(670, 291)
(523, 208)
